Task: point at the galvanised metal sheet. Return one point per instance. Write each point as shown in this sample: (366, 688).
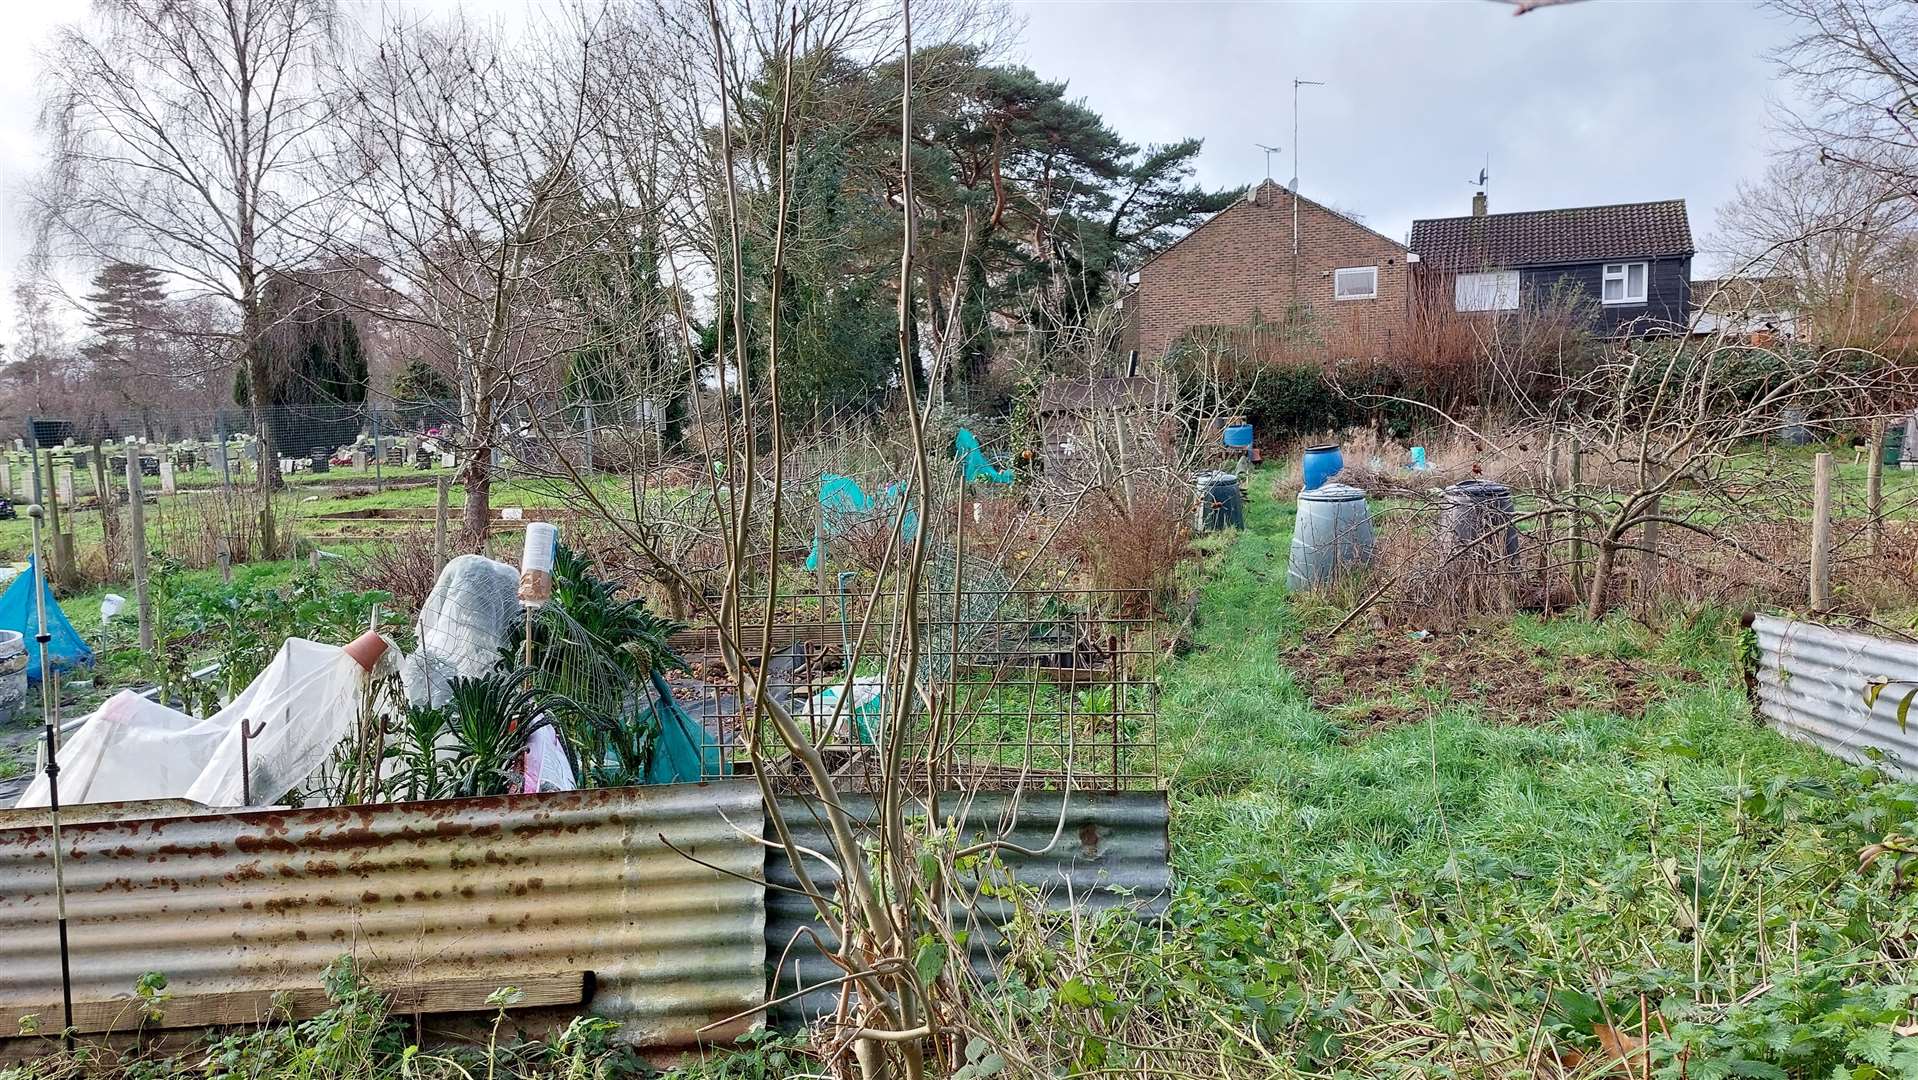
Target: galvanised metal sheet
(1812, 682)
(1107, 850)
(461, 889)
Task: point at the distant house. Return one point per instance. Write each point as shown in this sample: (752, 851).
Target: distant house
(1755, 306)
(1242, 267)
(1632, 260)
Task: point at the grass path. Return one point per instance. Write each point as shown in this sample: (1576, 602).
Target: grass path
(1527, 870)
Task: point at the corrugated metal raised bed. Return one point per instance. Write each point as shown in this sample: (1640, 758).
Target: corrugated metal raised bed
(420, 893)
(1111, 850)
(1812, 683)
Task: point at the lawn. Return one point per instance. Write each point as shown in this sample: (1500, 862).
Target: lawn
(1473, 888)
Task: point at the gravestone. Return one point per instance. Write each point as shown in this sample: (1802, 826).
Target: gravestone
(359, 459)
(6, 473)
(216, 459)
(167, 485)
(63, 484)
(446, 461)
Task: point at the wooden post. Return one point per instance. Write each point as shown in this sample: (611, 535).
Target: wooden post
(1544, 528)
(137, 541)
(52, 503)
(439, 524)
(1578, 522)
(1821, 532)
(1875, 488)
(103, 493)
(1648, 558)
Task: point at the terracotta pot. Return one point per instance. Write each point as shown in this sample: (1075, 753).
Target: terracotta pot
(367, 649)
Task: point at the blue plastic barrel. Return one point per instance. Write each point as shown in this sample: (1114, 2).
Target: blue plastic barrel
(1320, 463)
(1238, 436)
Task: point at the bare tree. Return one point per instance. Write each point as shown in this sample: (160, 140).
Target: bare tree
(1843, 239)
(462, 152)
(183, 138)
(1855, 63)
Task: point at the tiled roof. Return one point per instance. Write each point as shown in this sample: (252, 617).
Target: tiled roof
(1581, 234)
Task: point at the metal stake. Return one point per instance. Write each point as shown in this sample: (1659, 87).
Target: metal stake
(50, 713)
(248, 732)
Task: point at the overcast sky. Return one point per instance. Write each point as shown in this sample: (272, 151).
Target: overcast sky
(1596, 102)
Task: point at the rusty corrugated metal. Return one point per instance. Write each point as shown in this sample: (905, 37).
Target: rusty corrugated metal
(460, 889)
(1111, 851)
(1811, 685)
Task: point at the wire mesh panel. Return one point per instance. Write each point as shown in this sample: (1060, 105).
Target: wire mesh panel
(1008, 687)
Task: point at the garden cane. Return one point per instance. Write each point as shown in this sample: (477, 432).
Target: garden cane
(50, 713)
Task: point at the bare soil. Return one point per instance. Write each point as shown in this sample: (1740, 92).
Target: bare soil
(1373, 682)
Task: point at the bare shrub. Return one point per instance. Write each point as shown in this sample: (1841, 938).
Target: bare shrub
(404, 568)
(1135, 544)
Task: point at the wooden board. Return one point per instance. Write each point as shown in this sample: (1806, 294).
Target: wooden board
(254, 1007)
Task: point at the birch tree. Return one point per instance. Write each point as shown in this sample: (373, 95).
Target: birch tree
(184, 138)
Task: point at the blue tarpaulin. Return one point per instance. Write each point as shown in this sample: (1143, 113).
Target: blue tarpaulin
(845, 501)
(682, 752)
(977, 466)
(17, 612)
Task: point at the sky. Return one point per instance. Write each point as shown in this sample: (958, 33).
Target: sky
(1598, 102)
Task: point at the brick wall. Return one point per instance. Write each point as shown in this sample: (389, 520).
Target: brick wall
(1240, 263)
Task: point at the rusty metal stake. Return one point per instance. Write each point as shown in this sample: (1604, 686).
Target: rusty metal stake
(248, 731)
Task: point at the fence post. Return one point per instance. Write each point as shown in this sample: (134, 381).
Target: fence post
(439, 524)
(379, 455)
(1821, 532)
(1875, 487)
(226, 458)
(589, 438)
(137, 541)
(1578, 522)
(109, 516)
(1547, 524)
(52, 503)
(1648, 558)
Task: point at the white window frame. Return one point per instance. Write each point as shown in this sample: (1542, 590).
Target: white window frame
(1621, 272)
(1373, 270)
(1491, 290)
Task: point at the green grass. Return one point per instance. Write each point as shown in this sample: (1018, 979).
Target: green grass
(1461, 895)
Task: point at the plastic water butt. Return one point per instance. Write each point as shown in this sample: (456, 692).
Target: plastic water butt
(1221, 504)
(1333, 533)
(1238, 436)
(1319, 465)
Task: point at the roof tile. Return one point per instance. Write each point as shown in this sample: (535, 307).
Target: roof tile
(1554, 237)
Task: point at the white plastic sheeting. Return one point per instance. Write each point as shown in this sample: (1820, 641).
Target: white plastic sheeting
(132, 748)
(463, 625)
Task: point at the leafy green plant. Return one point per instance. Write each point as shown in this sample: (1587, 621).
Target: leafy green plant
(489, 720)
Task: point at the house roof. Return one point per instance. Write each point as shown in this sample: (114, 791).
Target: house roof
(1581, 234)
(1257, 193)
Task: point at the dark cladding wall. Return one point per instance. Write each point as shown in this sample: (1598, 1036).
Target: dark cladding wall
(1667, 294)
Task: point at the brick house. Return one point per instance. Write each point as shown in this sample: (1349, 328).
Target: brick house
(1237, 268)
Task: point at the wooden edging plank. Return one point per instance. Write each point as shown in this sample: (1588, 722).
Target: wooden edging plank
(258, 1006)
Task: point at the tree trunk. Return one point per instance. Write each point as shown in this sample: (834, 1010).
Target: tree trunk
(259, 393)
(476, 475)
(1601, 577)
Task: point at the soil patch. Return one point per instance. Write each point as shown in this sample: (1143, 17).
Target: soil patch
(1373, 682)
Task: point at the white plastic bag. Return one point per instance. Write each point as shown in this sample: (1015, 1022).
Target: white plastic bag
(111, 605)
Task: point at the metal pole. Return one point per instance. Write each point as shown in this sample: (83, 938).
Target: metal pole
(1821, 533)
(379, 455)
(1296, 83)
(226, 456)
(589, 438)
(248, 731)
(50, 714)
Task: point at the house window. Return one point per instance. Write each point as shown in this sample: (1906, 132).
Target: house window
(1624, 283)
(1355, 283)
(1496, 291)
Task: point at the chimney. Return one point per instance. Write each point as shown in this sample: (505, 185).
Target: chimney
(1478, 204)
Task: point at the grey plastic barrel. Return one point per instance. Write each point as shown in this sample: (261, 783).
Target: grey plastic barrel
(1332, 535)
(1221, 504)
(13, 674)
(1479, 513)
